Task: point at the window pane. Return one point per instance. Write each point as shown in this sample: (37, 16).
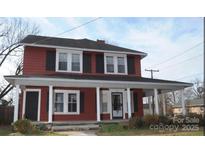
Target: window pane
(109, 60)
(104, 107)
(110, 64)
(75, 62)
(58, 107)
(62, 61)
(58, 102)
(72, 103)
(121, 64)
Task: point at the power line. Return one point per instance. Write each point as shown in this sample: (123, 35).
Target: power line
(190, 75)
(182, 61)
(182, 53)
(69, 30)
(151, 71)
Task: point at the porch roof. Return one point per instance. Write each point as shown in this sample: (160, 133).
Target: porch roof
(105, 81)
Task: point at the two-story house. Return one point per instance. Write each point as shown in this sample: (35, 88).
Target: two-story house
(82, 80)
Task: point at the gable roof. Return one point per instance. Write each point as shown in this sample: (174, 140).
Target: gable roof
(76, 43)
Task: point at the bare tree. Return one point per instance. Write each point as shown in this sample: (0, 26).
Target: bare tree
(196, 91)
(12, 31)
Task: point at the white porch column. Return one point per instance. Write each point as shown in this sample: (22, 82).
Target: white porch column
(98, 103)
(183, 103)
(129, 103)
(16, 101)
(164, 104)
(156, 103)
(50, 109)
(150, 104)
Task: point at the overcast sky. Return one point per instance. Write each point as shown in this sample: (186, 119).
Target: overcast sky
(160, 38)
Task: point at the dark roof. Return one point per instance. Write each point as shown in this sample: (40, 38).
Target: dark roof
(76, 43)
(103, 77)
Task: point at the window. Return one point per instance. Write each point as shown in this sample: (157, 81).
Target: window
(67, 101)
(62, 61)
(75, 62)
(104, 102)
(59, 102)
(72, 102)
(68, 61)
(115, 63)
(110, 64)
(121, 64)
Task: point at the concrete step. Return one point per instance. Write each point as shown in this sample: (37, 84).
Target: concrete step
(74, 127)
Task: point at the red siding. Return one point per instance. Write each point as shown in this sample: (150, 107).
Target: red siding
(105, 116)
(140, 102)
(35, 62)
(89, 104)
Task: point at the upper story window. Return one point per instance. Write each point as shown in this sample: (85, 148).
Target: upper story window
(110, 64)
(115, 64)
(63, 61)
(68, 61)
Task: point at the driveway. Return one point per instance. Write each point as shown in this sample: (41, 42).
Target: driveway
(77, 133)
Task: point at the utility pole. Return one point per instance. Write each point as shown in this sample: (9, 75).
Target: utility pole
(152, 71)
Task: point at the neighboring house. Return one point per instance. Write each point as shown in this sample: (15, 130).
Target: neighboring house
(192, 106)
(82, 80)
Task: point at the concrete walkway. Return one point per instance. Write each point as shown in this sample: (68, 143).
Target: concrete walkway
(77, 133)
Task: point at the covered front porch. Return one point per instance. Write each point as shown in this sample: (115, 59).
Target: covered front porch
(119, 94)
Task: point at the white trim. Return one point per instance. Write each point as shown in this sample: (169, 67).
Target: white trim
(156, 103)
(16, 107)
(50, 110)
(63, 82)
(39, 101)
(84, 49)
(183, 103)
(65, 101)
(98, 103)
(129, 103)
(115, 63)
(69, 60)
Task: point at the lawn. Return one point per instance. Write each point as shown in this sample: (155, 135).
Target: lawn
(117, 130)
(7, 131)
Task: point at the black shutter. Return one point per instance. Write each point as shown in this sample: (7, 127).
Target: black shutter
(99, 63)
(50, 60)
(135, 99)
(131, 64)
(82, 102)
(86, 63)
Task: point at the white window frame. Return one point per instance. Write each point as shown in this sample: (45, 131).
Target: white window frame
(69, 60)
(115, 56)
(105, 92)
(65, 101)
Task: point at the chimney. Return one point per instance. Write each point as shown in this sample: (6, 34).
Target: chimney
(100, 42)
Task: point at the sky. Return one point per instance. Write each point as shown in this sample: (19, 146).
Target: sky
(174, 45)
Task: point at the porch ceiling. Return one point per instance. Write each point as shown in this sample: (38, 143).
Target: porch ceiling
(97, 81)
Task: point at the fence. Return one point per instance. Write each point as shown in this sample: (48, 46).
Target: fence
(6, 115)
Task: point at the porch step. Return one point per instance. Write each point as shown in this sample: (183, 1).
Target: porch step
(75, 127)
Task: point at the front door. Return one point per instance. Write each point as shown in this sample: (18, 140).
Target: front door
(31, 109)
(117, 105)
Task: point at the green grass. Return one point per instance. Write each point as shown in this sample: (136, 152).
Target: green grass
(119, 130)
(7, 131)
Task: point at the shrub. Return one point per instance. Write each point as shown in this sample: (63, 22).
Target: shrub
(136, 122)
(42, 127)
(197, 116)
(23, 126)
(151, 119)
